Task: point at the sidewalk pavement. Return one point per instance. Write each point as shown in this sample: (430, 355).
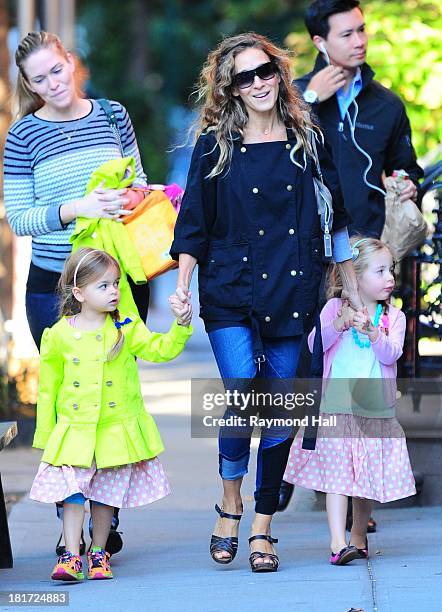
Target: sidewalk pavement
(165, 563)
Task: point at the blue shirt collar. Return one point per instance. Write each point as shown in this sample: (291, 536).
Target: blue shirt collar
(345, 99)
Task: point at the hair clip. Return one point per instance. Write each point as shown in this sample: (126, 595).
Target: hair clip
(119, 324)
(355, 250)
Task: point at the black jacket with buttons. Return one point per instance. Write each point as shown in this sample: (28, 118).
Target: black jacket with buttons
(256, 235)
(382, 130)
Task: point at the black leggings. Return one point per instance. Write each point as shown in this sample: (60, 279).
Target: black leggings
(274, 460)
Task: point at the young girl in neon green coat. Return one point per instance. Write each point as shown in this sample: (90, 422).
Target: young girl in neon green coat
(99, 442)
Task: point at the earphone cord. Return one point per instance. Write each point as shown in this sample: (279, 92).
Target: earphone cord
(352, 123)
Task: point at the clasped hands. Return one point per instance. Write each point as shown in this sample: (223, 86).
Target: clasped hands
(181, 306)
(359, 319)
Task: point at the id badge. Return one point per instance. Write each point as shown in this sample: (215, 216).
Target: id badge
(327, 245)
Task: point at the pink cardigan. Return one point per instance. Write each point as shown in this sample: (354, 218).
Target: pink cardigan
(387, 349)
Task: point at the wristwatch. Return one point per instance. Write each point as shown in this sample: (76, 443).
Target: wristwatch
(311, 96)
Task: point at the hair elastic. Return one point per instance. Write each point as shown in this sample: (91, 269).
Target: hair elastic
(80, 262)
(355, 250)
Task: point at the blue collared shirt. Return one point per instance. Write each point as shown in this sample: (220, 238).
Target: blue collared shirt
(345, 99)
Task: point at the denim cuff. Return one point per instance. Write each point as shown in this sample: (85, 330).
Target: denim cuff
(341, 245)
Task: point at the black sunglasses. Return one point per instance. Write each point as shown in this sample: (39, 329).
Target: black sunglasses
(245, 79)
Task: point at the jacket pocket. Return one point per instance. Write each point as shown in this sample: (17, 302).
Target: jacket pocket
(226, 278)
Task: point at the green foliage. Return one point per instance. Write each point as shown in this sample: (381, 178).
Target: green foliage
(111, 51)
(405, 51)
(176, 37)
(148, 55)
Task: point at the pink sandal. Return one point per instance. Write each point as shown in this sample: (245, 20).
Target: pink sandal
(344, 556)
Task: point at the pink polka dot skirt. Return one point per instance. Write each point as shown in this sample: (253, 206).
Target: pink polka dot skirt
(125, 486)
(353, 464)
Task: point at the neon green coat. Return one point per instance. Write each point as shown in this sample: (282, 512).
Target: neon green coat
(108, 235)
(90, 407)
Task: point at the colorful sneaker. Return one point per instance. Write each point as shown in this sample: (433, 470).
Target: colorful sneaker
(98, 564)
(344, 556)
(69, 568)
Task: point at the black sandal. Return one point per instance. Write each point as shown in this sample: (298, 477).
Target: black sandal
(60, 549)
(263, 567)
(228, 545)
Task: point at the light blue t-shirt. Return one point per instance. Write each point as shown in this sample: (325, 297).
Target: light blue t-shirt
(355, 385)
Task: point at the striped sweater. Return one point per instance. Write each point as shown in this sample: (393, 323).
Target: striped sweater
(47, 164)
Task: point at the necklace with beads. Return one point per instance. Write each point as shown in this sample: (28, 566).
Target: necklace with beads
(366, 343)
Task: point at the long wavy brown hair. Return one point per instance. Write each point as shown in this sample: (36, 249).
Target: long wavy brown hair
(25, 100)
(225, 115)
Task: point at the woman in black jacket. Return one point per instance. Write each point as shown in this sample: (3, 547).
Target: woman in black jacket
(249, 219)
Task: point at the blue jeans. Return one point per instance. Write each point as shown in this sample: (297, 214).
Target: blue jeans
(233, 350)
(41, 312)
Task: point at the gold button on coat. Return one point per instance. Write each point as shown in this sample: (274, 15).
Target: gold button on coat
(243, 149)
(288, 146)
(295, 315)
(255, 190)
(291, 231)
(293, 272)
(261, 232)
(245, 259)
(267, 319)
(264, 276)
(289, 187)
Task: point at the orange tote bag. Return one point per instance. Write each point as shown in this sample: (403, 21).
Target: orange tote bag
(150, 228)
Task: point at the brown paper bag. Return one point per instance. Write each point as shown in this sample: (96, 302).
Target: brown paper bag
(405, 227)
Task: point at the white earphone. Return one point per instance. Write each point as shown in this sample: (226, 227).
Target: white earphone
(352, 124)
(324, 51)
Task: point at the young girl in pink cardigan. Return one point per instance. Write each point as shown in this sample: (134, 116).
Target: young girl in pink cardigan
(364, 455)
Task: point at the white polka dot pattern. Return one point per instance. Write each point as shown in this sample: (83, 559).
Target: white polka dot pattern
(354, 464)
(125, 486)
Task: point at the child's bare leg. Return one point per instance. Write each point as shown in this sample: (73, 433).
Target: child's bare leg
(73, 517)
(101, 520)
(361, 513)
(337, 514)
